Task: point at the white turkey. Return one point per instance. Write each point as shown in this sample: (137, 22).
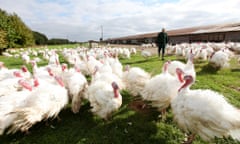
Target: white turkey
(133, 50)
(202, 54)
(83, 63)
(45, 101)
(105, 68)
(46, 73)
(219, 59)
(146, 54)
(6, 73)
(25, 72)
(108, 77)
(162, 88)
(135, 79)
(178, 51)
(25, 57)
(8, 103)
(236, 47)
(187, 68)
(116, 65)
(173, 65)
(2, 66)
(92, 62)
(76, 84)
(126, 53)
(104, 98)
(205, 112)
(41, 72)
(10, 83)
(54, 58)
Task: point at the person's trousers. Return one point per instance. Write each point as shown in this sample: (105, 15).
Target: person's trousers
(159, 51)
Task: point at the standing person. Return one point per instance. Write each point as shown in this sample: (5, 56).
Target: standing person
(162, 40)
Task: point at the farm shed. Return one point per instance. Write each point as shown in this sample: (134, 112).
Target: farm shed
(210, 33)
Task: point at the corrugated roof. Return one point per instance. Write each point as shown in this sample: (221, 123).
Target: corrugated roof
(191, 30)
(220, 28)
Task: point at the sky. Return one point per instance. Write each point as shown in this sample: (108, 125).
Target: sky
(83, 20)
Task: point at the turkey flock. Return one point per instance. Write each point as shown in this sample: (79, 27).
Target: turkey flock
(96, 75)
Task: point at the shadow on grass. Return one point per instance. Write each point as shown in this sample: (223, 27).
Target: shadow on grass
(126, 126)
(151, 59)
(235, 70)
(208, 69)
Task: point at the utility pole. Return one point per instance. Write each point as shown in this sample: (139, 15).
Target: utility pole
(101, 39)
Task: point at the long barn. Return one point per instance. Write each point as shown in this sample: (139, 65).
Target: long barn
(210, 33)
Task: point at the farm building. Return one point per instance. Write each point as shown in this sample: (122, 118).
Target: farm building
(210, 33)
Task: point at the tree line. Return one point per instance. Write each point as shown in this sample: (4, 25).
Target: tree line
(14, 33)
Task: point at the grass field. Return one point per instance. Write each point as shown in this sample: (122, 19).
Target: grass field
(131, 124)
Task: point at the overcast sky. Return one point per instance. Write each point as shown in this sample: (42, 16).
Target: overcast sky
(81, 20)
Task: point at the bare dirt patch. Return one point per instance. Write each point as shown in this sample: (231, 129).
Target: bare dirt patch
(140, 106)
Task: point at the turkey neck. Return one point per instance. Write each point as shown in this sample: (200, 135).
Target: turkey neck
(165, 67)
(116, 93)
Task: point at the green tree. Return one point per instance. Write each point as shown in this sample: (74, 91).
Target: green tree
(3, 40)
(17, 33)
(56, 41)
(40, 39)
(3, 29)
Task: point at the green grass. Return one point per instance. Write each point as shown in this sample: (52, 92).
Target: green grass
(67, 46)
(128, 125)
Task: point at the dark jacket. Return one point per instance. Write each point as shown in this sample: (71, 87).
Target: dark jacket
(162, 39)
